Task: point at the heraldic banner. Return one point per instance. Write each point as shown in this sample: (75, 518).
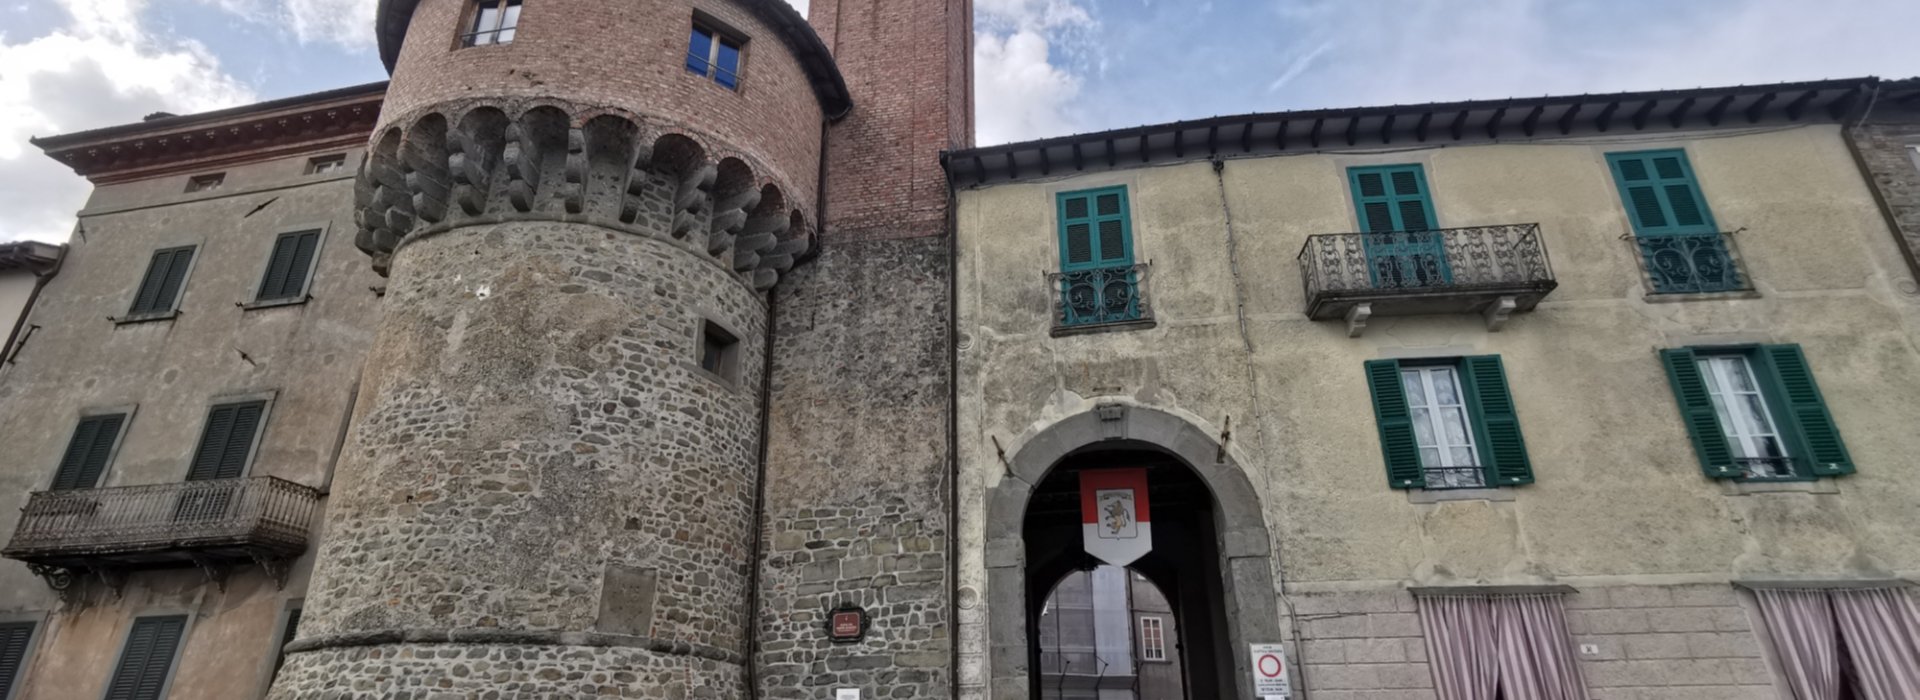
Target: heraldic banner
(1113, 514)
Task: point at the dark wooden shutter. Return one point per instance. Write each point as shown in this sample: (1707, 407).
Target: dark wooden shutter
(160, 288)
(287, 635)
(286, 276)
(1390, 414)
(1503, 450)
(1696, 410)
(1392, 198)
(147, 659)
(1819, 438)
(86, 456)
(225, 442)
(14, 637)
(1660, 193)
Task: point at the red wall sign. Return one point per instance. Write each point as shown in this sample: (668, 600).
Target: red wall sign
(846, 624)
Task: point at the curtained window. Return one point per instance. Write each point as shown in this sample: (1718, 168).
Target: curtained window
(1512, 647)
(1848, 644)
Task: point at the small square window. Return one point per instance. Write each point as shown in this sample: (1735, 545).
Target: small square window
(206, 183)
(494, 22)
(715, 55)
(719, 351)
(323, 165)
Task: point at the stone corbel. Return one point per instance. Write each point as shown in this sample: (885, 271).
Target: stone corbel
(1357, 318)
(1498, 312)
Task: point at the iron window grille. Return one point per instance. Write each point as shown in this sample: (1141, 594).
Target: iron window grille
(1691, 263)
(1103, 296)
(494, 22)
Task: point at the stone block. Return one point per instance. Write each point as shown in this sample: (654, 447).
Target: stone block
(1610, 621)
(1742, 645)
(1656, 646)
(1640, 597)
(1682, 620)
(1375, 650)
(1395, 624)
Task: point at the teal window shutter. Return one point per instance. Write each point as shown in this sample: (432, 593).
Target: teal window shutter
(1819, 439)
(87, 452)
(1661, 195)
(1392, 198)
(14, 638)
(147, 660)
(1096, 229)
(226, 441)
(1696, 410)
(1395, 422)
(286, 275)
(1503, 451)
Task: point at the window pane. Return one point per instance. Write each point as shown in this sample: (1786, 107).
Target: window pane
(1444, 390)
(484, 22)
(1415, 386)
(1430, 456)
(1462, 456)
(1757, 412)
(509, 22)
(699, 48)
(1423, 427)
(1456, 424)
(728, 60)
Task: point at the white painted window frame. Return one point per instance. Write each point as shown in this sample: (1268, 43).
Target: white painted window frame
(1743, 430)
(1435, 426)
(1153, 647)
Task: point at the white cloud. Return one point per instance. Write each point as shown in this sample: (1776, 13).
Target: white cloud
(1022, 88)
(348, 23)
(102, 68)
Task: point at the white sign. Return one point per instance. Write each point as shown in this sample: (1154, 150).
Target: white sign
(1270, 672)
(846, 694)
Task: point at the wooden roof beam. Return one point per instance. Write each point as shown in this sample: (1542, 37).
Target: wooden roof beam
(1079, 161)
(1841, 106)
(1679, 113)
(1718, 109)
(1420, 127)
(1353, 131)
(1758, 106)
(1493, 124)
(1459, 123)
(1532, 120)
(1640, 115)
(1799, 104)
(1313, 135)
(1386, 129)
(1113, 155)
(1566, 119)
(1046, 162)
(1280, 137)
(1605, 119)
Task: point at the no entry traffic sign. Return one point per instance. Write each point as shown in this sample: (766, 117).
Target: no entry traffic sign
(1270, 671)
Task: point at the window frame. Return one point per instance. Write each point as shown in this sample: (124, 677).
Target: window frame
(266, 401)
(205, 182)
(728, 373)
(172, 309)
(477, 12)
(126, 414)
(1773, 396)
(1470, 417)
(1492, 414)
(173, 665)
(1069, 274)
(1160, 629)
(1360, 201)
(313, 266)
(718, 34)
(328, 161)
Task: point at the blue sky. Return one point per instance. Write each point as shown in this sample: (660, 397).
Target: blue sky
(1043, 67)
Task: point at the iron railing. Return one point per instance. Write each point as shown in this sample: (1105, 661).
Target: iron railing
(1694, 263)
(1475, 258)
(1762, 468)
(258, 513)
(1100, 296)
(1440, 478)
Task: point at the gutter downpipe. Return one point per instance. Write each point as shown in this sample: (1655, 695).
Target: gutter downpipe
(953, 432)
(40, 280)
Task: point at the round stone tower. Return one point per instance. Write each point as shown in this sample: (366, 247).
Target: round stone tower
(549, 486)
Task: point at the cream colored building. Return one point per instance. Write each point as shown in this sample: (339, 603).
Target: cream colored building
(1221, 378)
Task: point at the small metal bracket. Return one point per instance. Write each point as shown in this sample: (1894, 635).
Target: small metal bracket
(58, 578)
(1357, 318)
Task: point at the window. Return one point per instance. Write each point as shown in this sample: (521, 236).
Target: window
(1153, 638)
(206, 183)
(494, 22)
(289, 628)
(227, 441)
(715, 55)
(1395, 212)
(147, 660)
(15, 639)
(87, 453)
(160, 290)
(1755, 413)
(719, 351)
(289, 267)
(1447, 424)
(324, 165)
(1679, 242)
(1099, 283)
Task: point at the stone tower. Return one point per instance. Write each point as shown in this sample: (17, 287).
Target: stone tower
(568, 473)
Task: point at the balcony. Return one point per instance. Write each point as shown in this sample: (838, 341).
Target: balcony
(1489, 270)
(210, 524)
(1099, 299)
(1692, 263)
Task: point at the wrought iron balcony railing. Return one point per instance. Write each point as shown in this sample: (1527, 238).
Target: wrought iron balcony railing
(262, 519)
(1488, 269)
(1100, 297)
(1694, 263)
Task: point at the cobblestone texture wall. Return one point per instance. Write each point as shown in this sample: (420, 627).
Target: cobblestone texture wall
(1885, 147)
(538, 451)
(1648, 643)
(857, 491)
(447, 671)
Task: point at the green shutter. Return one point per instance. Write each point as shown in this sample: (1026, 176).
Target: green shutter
(1696, 410)
(286, 276)
(1390, 415)
(226, 441)
(1392, 198)
(1660, 192)
(1496, 424)
(14, 637)
(86, 456)
(1096, 230)
(147, 659)
(1820, 443)
(160, 288)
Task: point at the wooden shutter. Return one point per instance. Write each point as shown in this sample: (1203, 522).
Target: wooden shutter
(1096, 230)
(14, 637)
(226, 441)
(1819, 438)
(1392, 198)
(86, 456)
(147, 659)
(1696, 410)
(286, 276)
(1496, 424)
(160, 288)
(1660, 193)
(287, 634)
(1390, 414)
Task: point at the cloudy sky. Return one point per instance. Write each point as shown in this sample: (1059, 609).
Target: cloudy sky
(1044, 67)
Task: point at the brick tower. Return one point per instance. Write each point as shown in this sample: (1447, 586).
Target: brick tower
(859, 482)
(550, 484)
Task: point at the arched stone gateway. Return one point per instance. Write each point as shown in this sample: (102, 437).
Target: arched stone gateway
(1238, 595)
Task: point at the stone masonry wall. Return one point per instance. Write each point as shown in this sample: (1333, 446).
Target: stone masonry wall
(537, 452)
(857, 487)
(1647, 643)
(1884, 147)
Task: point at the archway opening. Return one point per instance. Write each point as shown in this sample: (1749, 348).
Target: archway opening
(1183, 569)
(1109, 633)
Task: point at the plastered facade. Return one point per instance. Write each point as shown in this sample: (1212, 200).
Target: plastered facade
(1620, 499)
